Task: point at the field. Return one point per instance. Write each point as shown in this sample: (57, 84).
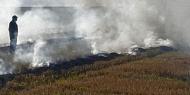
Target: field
(159, 74)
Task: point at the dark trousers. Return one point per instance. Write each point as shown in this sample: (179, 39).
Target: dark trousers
(13, 41)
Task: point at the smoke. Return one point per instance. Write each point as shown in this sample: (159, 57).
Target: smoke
(43, 52)
(117, 26)
(177, 23)
(5, 67)
(67, 29)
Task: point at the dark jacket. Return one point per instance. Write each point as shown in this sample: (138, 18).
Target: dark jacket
(13, 27)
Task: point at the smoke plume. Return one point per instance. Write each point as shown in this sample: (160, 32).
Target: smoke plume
(67, 29)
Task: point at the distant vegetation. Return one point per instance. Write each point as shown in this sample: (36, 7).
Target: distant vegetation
(163, 74)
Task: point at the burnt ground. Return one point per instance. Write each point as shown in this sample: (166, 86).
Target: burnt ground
(152, 71)
(67, 66)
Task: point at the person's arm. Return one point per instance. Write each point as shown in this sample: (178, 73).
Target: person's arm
(16, 26)
(10, 25)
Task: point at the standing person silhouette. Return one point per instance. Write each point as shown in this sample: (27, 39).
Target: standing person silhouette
(13, 33)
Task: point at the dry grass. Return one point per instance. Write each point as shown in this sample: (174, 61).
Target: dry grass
(166, 74)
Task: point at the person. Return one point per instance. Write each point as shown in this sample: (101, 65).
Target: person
(13, 33)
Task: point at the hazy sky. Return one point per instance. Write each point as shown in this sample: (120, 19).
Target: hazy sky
(30, 3)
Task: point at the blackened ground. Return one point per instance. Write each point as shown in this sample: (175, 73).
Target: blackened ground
(67, 66)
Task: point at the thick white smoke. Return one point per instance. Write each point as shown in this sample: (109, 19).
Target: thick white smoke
(93, 26)
(178, 22)
(118, 25)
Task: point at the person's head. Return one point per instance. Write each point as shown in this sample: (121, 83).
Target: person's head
(14, 18)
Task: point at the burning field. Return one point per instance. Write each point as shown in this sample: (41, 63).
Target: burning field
(127, 47)
(154, 71)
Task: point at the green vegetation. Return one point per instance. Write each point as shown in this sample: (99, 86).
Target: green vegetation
(164, 74)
